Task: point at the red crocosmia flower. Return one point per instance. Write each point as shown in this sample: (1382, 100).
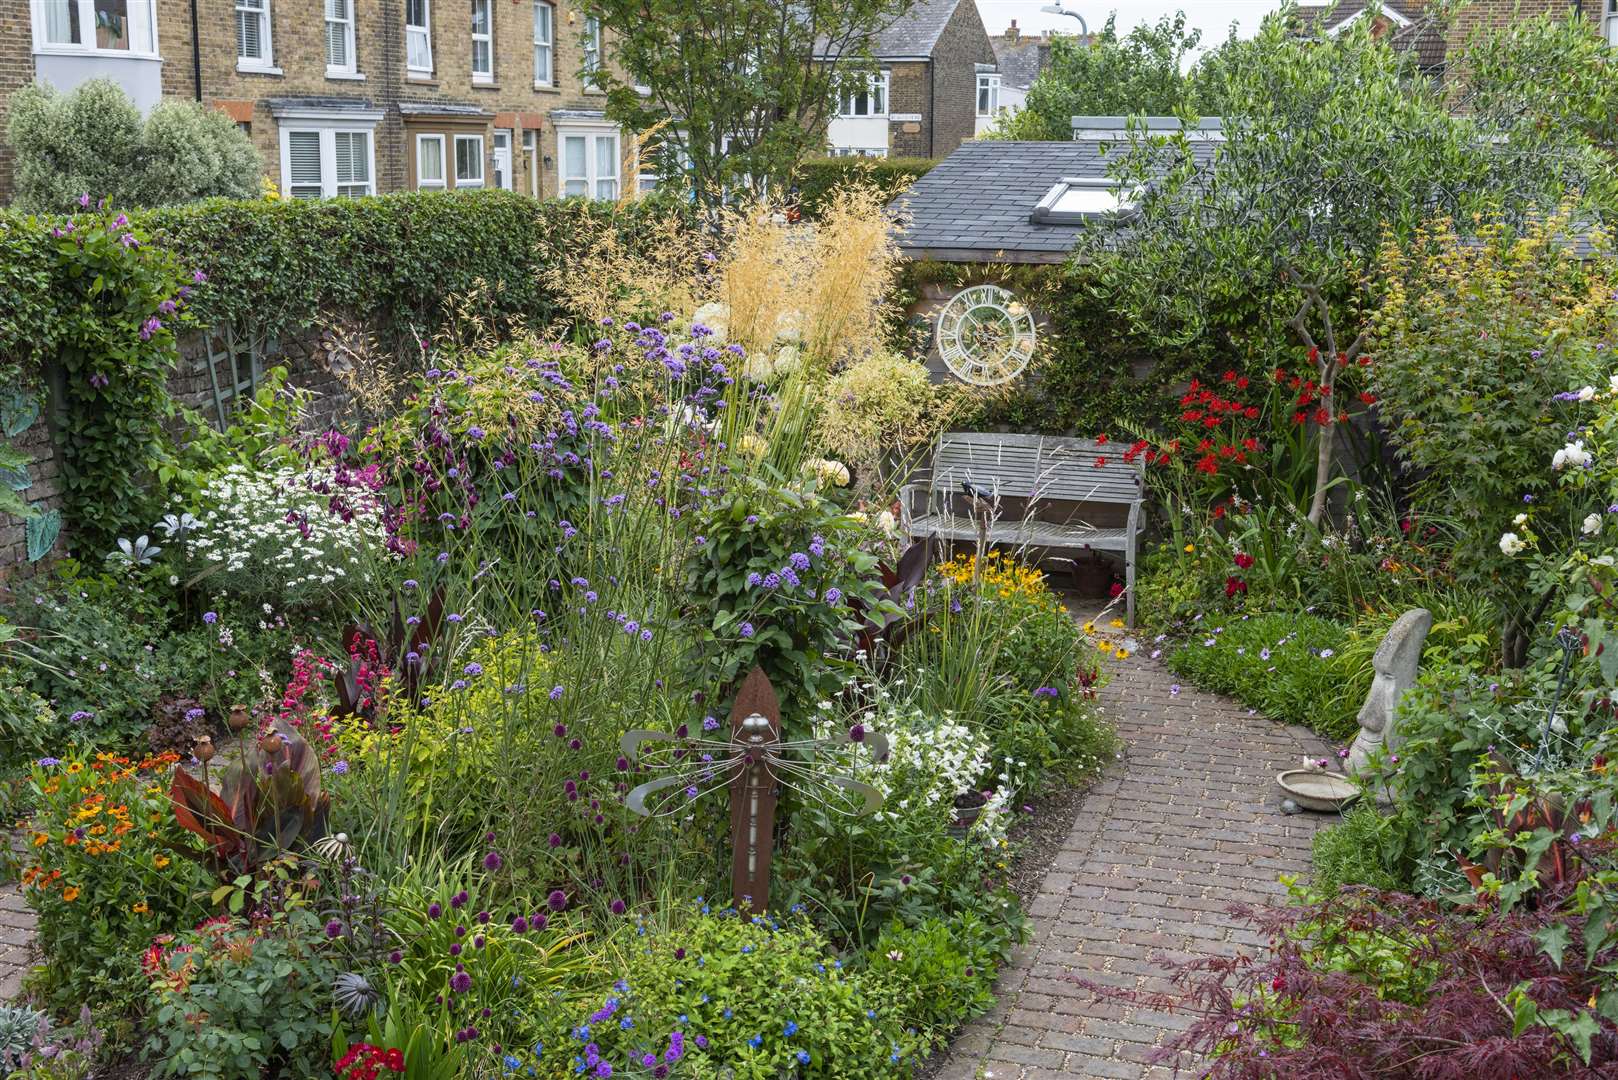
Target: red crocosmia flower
(1219, 511)
(1250, 443)
(1101, 462)
(1102, 438)
(1280, 375)
(1365, 361)
(1244, 560)
(1230, 376)
(1115, 591)
(1251, 412)
(1367, 397)
(1314, 356)
(1322, 416)
(1227, 451)
(1298, 417)
(1295, 382)
(1208, 464)
(1211, 422)
(1341, 416)
(1325, 391)
(1204, 446)
(1191, 415)
(1241, 383)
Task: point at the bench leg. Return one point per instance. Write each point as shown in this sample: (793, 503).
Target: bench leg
(1129, 590)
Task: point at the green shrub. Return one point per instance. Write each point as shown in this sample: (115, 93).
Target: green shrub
(93, 141)
(817, 178)
(1281, 664)
(755, 999)
(231, 1000)
(946, 968)
(1367, 848)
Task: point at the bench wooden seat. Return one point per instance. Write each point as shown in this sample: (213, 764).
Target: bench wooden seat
(1041, 488)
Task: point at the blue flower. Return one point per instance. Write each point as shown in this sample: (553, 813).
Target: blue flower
(790, 1029)
(747, 630)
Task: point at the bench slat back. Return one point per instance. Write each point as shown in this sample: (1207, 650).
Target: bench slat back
(1037, 467)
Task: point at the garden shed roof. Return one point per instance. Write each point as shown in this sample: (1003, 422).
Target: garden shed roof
(978, 204)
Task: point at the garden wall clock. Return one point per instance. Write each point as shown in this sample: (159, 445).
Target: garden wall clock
(985, 335)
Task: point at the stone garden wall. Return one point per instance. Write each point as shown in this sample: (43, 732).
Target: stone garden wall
(309, 356)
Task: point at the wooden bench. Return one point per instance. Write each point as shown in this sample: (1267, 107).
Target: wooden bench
(1034, 488)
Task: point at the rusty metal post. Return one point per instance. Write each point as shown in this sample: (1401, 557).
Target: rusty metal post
(755, 724)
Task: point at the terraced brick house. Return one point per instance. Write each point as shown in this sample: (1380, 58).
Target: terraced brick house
(936, 86)
(349, 97)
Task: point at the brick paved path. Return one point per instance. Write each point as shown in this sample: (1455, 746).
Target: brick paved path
(16, 940)
(1187, 824)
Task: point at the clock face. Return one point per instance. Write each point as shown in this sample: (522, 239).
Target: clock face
(985, 335)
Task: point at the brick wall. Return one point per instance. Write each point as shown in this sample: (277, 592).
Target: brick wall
(961, 47)
(297, 42)
(308, 358)
(16, 70)
(1479, 13)
(909, 94)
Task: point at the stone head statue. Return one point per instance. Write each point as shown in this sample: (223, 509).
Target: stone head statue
(1395, 663)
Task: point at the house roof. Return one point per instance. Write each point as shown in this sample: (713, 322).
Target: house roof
(443, 108)
(912, 36)
(1020, 61)
(976, 204)
(318, 102)
(1414, 29)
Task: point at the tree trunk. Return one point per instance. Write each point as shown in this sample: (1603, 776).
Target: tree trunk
(1329, 363)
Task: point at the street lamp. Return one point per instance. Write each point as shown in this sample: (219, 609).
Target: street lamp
(1058, 9)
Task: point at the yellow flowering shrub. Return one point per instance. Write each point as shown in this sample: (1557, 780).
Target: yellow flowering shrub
(107, 869)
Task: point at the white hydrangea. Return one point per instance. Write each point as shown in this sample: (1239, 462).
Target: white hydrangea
(273, 533)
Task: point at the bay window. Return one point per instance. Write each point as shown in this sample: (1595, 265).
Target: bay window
(988, 94)
(469, 161)
(590, 162)
(867, 99)
(327, 155)
(115, 26)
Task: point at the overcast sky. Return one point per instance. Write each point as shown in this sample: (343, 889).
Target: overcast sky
(1212, 17)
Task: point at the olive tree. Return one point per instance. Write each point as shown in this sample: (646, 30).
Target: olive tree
(1332, 145)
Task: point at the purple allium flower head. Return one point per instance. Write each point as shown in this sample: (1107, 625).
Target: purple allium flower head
(557, 900)
(210, 617)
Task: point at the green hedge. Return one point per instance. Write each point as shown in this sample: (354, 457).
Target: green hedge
(277, 265)
(817, 178)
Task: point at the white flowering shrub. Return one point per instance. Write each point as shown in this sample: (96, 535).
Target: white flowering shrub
(287, 534)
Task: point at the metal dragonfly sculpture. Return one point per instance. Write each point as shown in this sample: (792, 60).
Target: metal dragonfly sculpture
(755, 764)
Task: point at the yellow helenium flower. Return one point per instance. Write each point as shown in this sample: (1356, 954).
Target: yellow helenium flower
(71, 893)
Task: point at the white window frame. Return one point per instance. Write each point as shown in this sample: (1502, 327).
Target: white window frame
(266, 35)
(86, 11)
(592, 177)
(548, 44)
(859, 151)
(351, 69)
(482, 178)
(424, 183)
(1610, 23)
(482, 77)
(988, 87)
(845, 105)
(423, 30)
(592, 50)
(327, 125)
(530, 159)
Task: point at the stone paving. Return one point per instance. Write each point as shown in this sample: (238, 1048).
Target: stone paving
(16, 940)
(1187, 824)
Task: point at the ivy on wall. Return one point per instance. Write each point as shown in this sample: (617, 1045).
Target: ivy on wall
(91, 303)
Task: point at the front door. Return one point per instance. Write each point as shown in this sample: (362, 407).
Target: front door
(502, 160)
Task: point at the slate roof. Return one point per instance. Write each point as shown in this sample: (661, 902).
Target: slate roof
(912, 36)
(974, 206)
(442, 108)
(1422, 34)
(1020, 61)
(278, 105)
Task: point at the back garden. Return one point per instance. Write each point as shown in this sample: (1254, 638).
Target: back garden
(385, 727)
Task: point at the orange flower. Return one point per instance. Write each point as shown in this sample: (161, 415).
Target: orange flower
(71, 893)
(40, 839)
(76, 767)
(160, 861)
(140, 908)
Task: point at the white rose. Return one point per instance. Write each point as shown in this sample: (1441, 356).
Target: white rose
(1511, 543)
(1592, 524)
(1612, 383)
(1573, 454)
(1587, 393)
(1520, 519)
